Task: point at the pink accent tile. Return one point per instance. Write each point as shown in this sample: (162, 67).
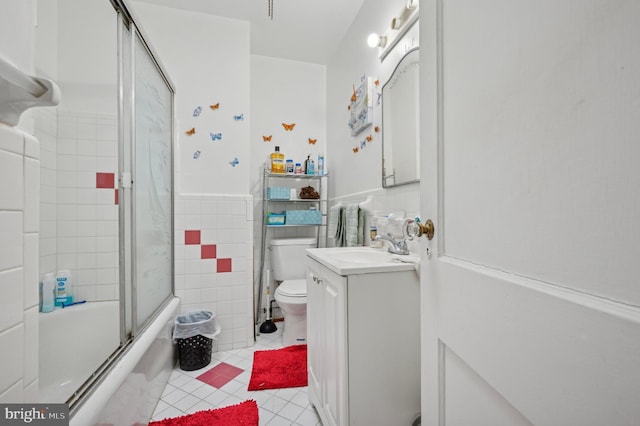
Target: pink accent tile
(192, 237)
(105, 180)
(220, 375)
(224, 265)
(208, 251)
(116, 196)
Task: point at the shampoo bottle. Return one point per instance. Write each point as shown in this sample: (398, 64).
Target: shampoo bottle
(48, 287)
(64, 292)
(320, 164)
(277, 161)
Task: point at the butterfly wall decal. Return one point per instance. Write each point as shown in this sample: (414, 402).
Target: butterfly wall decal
(197, 111)
(234, 162)
(288, 127)
(312, 141)
(379, 98)
(196, 155)
(355, 149)
(215, 106)
(267, 138)
(353, 96)
(363, 144)
(369, 138)
(238, 117)
(191, 131)
(376, 129)
(215, 136)
(377, 82)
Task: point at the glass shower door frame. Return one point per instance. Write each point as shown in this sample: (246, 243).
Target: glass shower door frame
(130, 39)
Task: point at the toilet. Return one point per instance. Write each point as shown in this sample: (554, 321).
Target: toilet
(288, 261)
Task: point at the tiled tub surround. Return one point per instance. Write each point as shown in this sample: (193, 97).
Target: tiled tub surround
(79, 201)
(19, 226)
(213, 256)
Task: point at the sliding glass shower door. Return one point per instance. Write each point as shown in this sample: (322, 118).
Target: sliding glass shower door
(146, 183)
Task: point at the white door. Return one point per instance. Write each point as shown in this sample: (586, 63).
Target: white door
(530, 296)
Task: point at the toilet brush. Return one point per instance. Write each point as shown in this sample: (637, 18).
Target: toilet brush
(268, 326)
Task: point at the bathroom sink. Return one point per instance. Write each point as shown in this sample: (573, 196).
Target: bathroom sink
(362, 256)
(360, 260)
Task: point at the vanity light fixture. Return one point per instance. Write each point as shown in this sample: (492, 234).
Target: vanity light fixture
(374, 40)
(398, 27)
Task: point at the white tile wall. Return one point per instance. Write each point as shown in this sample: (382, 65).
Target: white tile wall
(79, 221)
(224, 221)
(19, 225)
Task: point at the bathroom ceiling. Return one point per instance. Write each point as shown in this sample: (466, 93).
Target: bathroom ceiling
(302, 30)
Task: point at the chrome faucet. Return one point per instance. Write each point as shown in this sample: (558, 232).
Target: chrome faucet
(395, 246)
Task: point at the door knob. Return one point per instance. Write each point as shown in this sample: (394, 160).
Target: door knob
(413, 228)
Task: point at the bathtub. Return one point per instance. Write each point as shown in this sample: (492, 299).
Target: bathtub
(131, 388)
(69, 349)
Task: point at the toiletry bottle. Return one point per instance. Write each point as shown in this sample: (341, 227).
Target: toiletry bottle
(64, 293)
(48, 287)
(298, 168)
(320, 164)
(289, 167)
(308, 165)
(277, 161)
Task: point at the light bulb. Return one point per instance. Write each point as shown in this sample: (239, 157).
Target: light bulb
(373, 40)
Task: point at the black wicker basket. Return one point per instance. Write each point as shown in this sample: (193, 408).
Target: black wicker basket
(194, 352)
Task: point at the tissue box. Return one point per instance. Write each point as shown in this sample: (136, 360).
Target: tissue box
(278, 193)
(275, 218)
(303, 217)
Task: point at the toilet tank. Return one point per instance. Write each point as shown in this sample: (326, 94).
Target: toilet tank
(288, 257)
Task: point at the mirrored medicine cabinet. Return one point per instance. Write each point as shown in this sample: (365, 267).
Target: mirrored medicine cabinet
(401, 123)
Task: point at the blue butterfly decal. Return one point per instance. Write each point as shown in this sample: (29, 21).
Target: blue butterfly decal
(363, 144)
(238, 117)
(379, 98)
(197, 111)
(215, 136)
(196, 155)
(234, 162)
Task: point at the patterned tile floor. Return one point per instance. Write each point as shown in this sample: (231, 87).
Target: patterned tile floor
(224, 382)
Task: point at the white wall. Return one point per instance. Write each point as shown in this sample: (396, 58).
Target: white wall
(358, 175)
(207, 58)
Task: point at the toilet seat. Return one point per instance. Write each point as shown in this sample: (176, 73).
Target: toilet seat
(293, 288)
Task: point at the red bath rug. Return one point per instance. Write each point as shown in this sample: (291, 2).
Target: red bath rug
(279, 368)
(243, 414)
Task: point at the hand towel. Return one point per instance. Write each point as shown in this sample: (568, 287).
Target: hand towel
(334, 219)
(352, 225)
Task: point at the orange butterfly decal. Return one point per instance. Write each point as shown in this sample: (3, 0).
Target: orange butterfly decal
(376, 129)
(312, 141)
(191, 132)
(355, 149)
(377, 82)
(288, 127)
(369, 138)
(354, 97)
(349, 107)
(214, 107)
(267, 138)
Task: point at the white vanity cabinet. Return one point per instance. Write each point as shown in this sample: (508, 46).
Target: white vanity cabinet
(363, 339)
